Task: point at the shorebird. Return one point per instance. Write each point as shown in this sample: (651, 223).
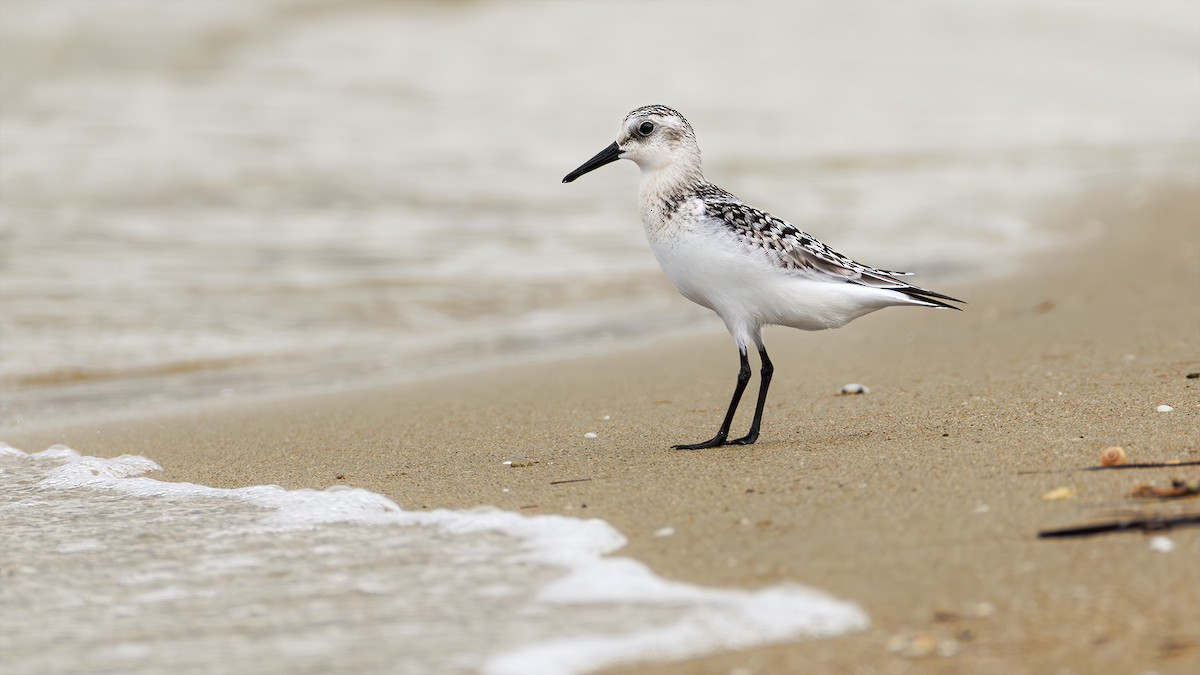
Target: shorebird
(748, 266)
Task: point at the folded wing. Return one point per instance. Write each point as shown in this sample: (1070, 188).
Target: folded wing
(800, 253)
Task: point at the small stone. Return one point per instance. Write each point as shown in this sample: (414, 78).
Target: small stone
(664, 532)
(590, 434)
(1164, 408)
(1113, 456)
(855, 388)
(1193, 376)
(1161, 544)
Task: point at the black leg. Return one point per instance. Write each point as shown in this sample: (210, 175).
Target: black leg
(723, 432)
(767, 371)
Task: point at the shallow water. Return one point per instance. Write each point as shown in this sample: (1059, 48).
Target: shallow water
(209, 198)
(104, 572)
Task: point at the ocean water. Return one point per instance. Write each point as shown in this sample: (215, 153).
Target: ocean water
(206, 198)
(105, 570)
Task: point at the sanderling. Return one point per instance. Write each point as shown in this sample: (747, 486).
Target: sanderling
(748, 266)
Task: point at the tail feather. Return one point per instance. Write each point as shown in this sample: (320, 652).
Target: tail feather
(932, 298)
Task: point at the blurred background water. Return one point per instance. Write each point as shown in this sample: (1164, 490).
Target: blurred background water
(209, 197)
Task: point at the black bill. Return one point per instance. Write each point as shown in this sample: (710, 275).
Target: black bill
(610, 154)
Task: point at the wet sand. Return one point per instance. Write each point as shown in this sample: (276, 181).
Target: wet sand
(920, 501)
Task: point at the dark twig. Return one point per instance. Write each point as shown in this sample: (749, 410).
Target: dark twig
(1151, 524)
(1140, 465)
(573, 480)
(1179, 489)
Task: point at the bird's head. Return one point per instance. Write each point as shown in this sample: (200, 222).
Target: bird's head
(658, 139)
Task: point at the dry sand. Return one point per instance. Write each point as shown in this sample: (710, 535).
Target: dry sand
(910, 500)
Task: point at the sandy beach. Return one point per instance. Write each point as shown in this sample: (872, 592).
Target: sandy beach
(920, 501)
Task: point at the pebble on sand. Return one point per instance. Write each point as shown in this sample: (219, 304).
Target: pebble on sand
(1164, 408)
(855, 388)
(590, 434)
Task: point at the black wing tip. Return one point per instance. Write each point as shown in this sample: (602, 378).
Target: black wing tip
(934, 298)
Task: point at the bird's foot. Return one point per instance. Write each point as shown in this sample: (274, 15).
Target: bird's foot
(714, 442)
(717, 441)
(748, 439)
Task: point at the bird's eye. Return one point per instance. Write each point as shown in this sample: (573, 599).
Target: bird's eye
(645, 128)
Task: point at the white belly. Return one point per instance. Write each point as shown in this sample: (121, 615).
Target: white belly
(748, 291)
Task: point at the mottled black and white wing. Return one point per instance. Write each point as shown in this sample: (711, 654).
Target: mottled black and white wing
(801, 253)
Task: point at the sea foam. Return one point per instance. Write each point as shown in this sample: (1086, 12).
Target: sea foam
(151, 575)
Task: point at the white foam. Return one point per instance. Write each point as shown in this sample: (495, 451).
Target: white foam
(79, 471)
(696, 620)
(718, 620)
(81, 546)
(736, 620)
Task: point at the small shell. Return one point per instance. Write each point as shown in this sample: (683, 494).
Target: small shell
(915, 646)
(1059, 493)
(1161, 544)
(922, 644)
(1164, 408)
(1113, 456)
(856, 388)
(590, 434)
